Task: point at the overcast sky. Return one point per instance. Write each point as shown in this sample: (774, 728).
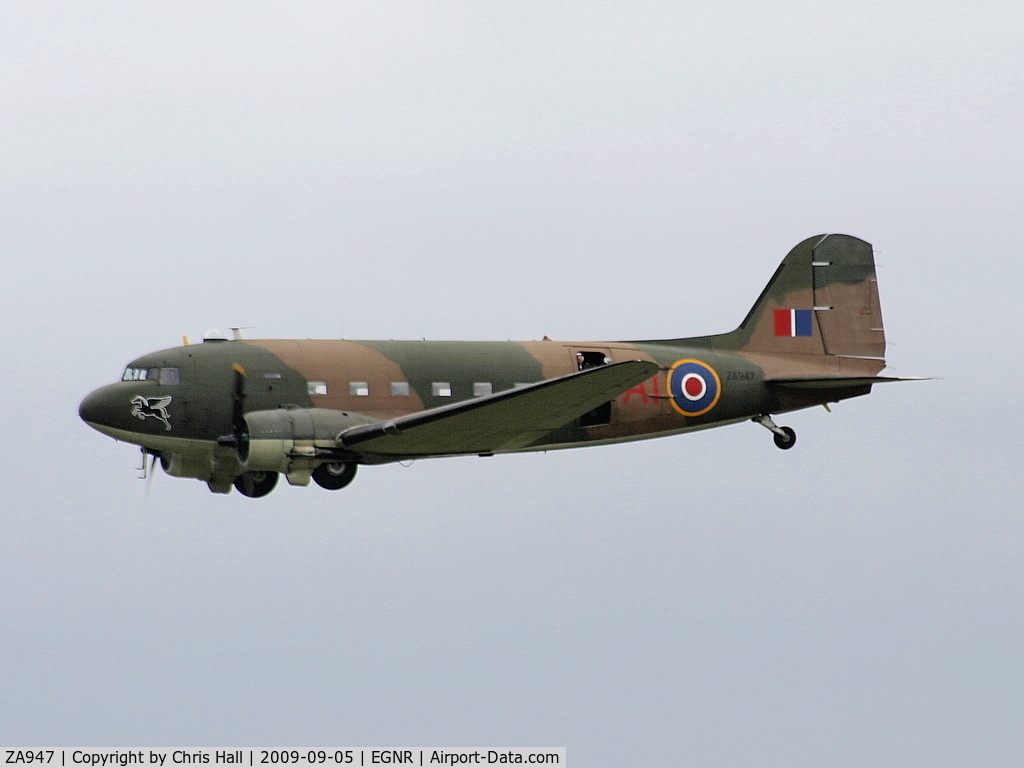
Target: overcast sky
(482, 170)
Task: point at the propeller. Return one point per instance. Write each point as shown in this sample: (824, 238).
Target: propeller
(239, 437)
(149, 474)
(146, 470)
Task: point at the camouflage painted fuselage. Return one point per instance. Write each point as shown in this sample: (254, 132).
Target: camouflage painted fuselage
(814, 336)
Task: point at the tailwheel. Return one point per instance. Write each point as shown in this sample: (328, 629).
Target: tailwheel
(785, 437)
(256, 484)
(335, 475)
(787, 440)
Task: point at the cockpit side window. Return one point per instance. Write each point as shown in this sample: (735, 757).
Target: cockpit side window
(163, 376)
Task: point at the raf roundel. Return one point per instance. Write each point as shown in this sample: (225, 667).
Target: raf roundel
(695, 387)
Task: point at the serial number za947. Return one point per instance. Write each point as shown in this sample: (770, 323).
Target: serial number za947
(24, 756)
(739, 376)
(283, 757)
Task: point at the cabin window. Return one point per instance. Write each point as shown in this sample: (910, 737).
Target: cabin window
(442, 389)
(318, 387)
(359, 389)
(169, 376)
(482, 388)
(399, 388)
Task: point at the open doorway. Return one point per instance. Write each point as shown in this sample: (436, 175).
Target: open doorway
(585, 360)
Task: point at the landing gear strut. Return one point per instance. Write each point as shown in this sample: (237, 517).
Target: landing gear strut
(785, 437)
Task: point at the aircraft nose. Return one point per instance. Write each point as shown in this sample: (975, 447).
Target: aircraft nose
(95, 408)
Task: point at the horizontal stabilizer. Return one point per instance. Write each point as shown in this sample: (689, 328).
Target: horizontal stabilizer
(837, 382)
(501, 422)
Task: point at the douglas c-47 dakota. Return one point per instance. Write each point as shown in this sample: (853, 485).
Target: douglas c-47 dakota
(240, 413)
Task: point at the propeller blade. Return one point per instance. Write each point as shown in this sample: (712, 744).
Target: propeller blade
(238, 428)
(237, 395)
(149, 474)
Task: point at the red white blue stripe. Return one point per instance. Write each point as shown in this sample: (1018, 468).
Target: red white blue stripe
(793, 322)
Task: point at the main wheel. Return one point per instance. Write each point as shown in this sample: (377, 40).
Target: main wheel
(256, 484)
(335, 475)
(787, 441)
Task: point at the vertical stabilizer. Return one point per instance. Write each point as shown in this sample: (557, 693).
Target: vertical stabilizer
(822, 300)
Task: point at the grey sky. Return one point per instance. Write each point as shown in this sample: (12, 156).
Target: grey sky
(471, 170)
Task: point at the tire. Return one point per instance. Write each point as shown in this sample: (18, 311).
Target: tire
(785, 442)
(256, 484)
(335, 475)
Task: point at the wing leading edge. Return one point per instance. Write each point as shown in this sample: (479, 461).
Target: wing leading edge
(505, 421)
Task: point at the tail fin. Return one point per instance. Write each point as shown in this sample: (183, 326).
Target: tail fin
(822, 300)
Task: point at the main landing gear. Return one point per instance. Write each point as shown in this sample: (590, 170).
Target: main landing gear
(333, 476)
(256, 484)
(785, 437)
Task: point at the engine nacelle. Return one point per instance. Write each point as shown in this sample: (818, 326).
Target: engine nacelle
(286, 439)
(198, 464)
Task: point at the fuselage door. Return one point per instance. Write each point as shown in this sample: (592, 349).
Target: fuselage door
(585, 359)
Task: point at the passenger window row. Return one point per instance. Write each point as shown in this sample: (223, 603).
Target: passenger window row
(402, 389)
